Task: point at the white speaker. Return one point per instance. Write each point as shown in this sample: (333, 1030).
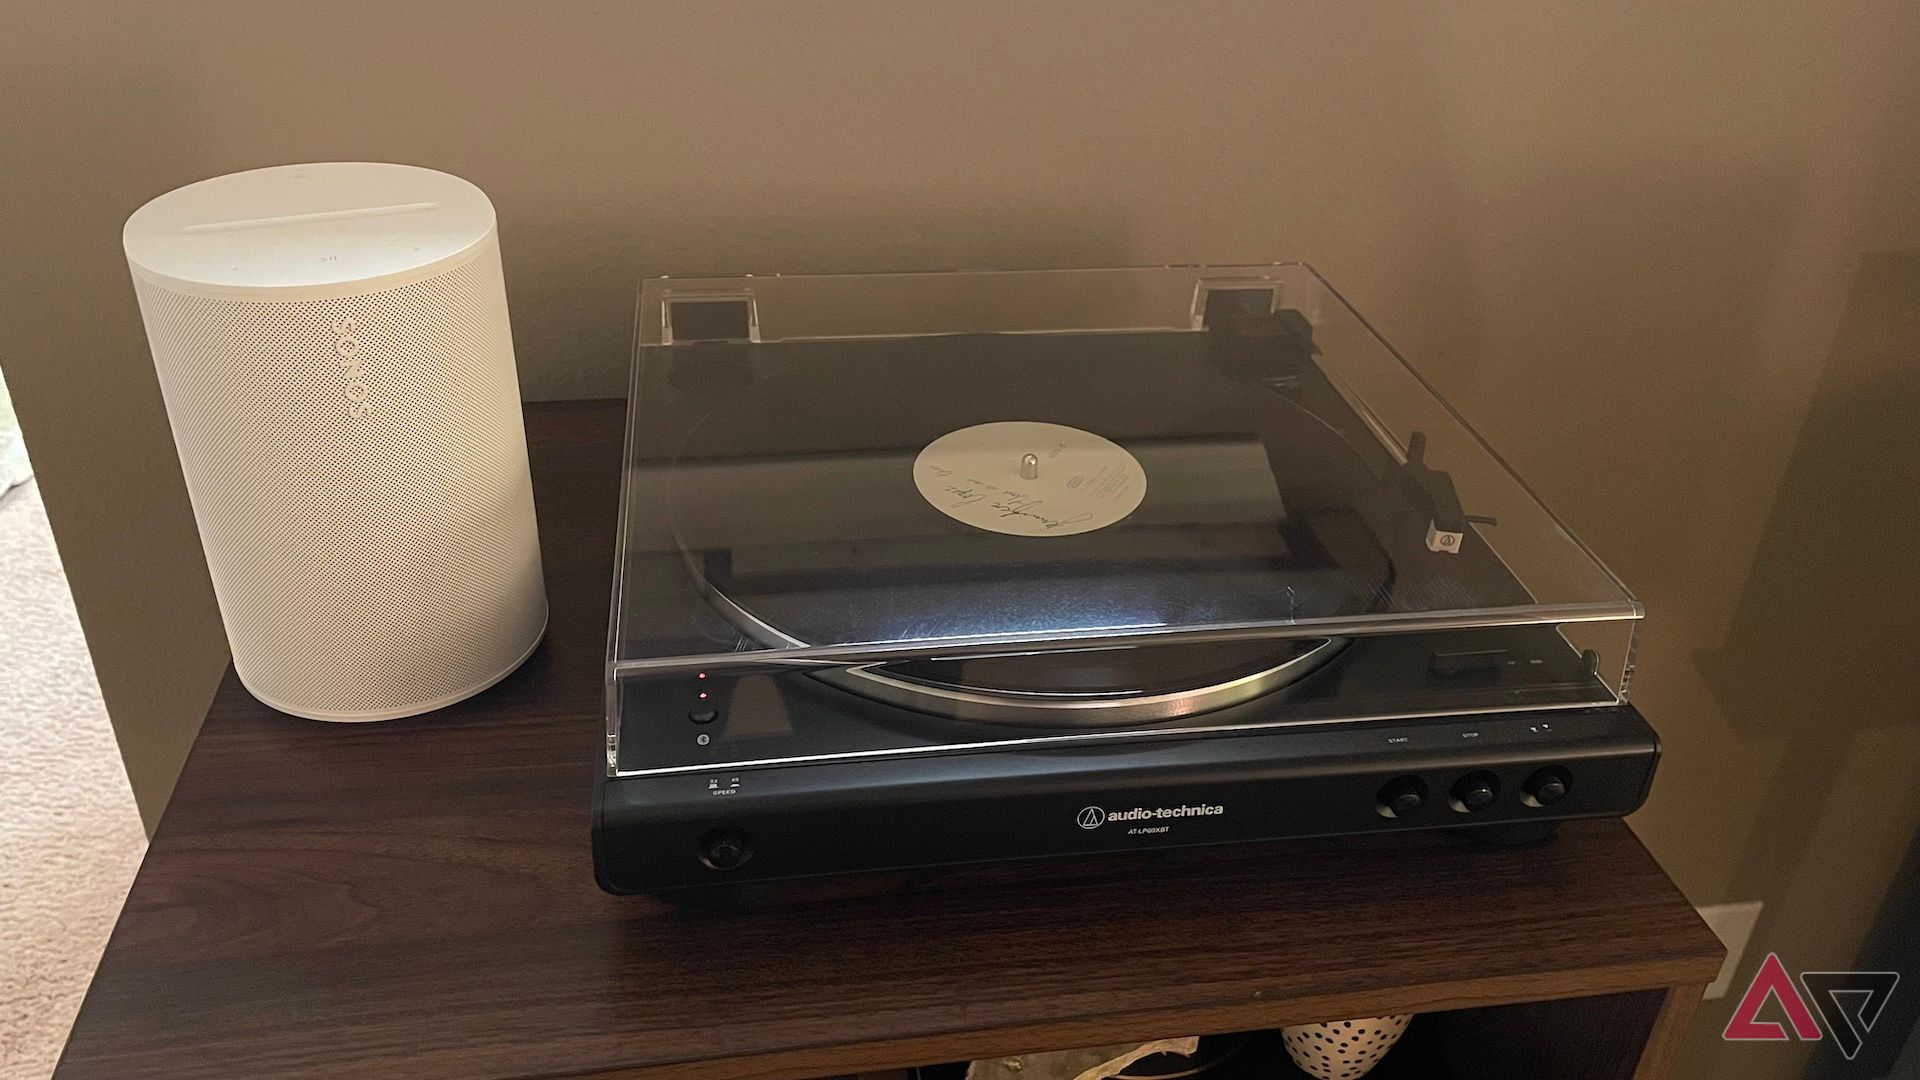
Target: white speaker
(333, 348)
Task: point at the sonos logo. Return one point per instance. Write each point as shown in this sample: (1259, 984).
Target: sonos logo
(346, 348)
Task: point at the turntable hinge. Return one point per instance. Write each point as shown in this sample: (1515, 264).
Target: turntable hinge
(1215, 302)
(695, 317)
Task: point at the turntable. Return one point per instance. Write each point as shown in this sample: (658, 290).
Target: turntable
(926, 569)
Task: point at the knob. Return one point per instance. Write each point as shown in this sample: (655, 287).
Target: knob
(1547, 786)
(1475, 792)
(725, 849)
(1401, 797)
(704, 714)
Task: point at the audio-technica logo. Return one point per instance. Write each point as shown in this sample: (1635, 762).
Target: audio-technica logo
(1093, 817)
(346, 348)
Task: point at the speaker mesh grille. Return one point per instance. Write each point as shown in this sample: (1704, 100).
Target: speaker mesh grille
(367, 561)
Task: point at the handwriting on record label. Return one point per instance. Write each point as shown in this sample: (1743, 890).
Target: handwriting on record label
(1028, 478)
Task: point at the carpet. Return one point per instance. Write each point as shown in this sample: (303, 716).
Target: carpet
(70, 837)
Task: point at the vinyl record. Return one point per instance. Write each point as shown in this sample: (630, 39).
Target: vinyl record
(801, 502)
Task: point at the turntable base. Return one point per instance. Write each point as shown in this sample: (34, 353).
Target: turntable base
(417, 894)
(1095, 561)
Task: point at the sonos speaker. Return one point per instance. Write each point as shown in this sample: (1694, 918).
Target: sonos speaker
(333, 348)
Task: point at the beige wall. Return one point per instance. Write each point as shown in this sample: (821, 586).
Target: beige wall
(1632, 244)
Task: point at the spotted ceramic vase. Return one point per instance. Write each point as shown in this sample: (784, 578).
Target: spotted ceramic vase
(1344, 1049)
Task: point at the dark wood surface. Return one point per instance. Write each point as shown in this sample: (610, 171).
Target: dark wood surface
(415, 899)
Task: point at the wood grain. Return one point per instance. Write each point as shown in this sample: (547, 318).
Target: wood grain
(416, 899)
(1600, 1037)
(1664, 1042)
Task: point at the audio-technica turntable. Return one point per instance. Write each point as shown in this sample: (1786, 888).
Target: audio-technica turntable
(924, 569)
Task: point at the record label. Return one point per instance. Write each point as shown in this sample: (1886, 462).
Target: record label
(1027, 478)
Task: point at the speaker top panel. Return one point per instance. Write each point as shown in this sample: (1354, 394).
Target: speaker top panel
(303, 232)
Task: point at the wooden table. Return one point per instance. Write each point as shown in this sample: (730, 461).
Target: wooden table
(415, 900)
